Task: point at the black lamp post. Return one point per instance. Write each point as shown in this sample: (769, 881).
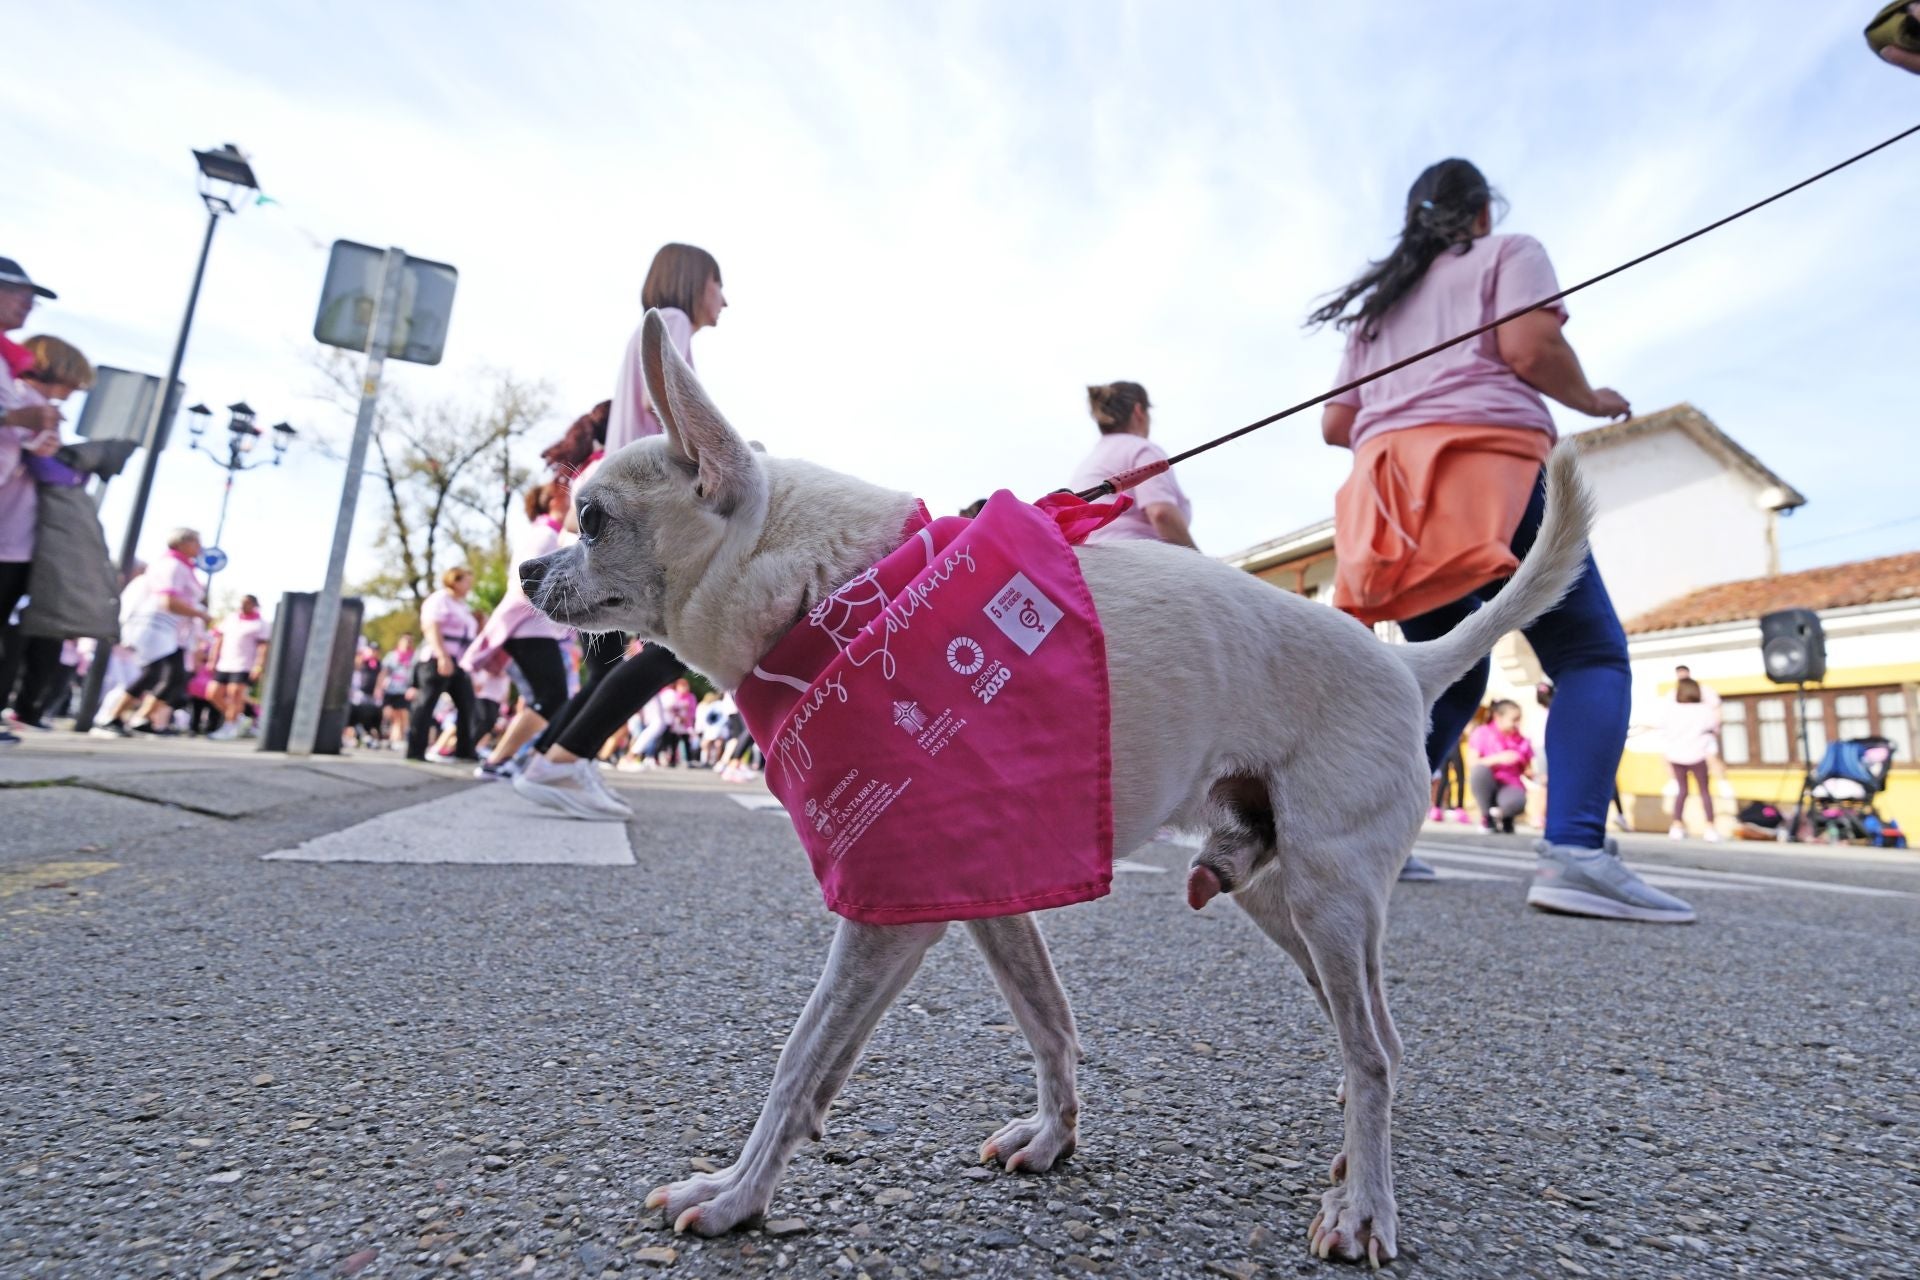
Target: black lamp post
(225, 174)
(242, 436)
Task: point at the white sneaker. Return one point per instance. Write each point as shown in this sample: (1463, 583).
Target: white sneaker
(225, 733)
(1711, 835)
(573, 789)
(1676, 832)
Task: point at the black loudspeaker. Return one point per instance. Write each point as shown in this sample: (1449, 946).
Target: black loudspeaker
(1793, 646)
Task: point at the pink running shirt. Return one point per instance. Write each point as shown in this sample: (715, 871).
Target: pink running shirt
(455, 618)
(1489, 741)
(172, 575)
(1113, 454)
(1468, 385)
(631, 417)
(240, 639)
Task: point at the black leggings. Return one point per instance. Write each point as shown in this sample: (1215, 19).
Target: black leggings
(431, 684)
(544, 669)
(13, 585)
(593, 715)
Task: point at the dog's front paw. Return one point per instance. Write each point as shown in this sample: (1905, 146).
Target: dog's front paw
(1035, 1144)
(1352, 1227)
(711, 1204)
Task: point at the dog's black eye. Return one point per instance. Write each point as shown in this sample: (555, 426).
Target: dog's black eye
(592, 521)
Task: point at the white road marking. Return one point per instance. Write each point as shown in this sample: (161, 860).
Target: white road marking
(1147, 868)
(486, 825)
(1518, 866)
(757, 801)
(1455, 873)
(1691, 878)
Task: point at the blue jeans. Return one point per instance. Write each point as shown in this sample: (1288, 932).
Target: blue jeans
(1584, 650)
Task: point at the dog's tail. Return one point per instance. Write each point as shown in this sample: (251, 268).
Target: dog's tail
(1558, 557)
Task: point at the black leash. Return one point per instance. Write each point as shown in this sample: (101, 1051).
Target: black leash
(1127, 479)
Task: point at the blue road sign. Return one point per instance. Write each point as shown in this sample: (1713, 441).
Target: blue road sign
(212, 560)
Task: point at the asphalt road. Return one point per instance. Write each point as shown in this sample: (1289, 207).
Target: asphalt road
(217, 1064)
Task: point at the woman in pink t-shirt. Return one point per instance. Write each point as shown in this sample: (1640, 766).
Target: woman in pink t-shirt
(521, 634)
(1503, 761)
(1477, 413)
(1160, 508)
(448, 626)
(1689, 737)
(683, 285)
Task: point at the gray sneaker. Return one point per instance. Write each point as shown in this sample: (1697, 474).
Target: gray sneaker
(1594, 882)
(1418, 870)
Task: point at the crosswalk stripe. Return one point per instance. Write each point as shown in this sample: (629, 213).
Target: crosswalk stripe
(1517, 866)
(484, 825)
(1692, 878)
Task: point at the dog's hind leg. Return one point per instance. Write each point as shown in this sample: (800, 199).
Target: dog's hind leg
(1343, 925)
(1017, 954)
(868, 966)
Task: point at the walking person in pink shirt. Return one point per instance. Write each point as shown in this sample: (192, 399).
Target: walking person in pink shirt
(447, 622)
(683, 284)
(1690, 734)
(396, 691)
(521, 634)
(1447, 493)
(29, 425)
(1160, 508)
(160, 632)
(239, 660)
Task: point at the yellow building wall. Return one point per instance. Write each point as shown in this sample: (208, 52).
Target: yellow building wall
(1645, 776)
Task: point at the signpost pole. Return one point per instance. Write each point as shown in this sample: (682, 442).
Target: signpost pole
(305, 729)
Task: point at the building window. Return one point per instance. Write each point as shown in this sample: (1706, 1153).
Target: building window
(1765, 729)
(1734, 747)
(1776, 743)
(1896, 723)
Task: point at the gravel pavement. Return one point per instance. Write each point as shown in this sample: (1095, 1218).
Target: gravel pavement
(217, 1065)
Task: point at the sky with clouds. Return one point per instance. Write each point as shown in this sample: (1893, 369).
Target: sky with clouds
(937, 224)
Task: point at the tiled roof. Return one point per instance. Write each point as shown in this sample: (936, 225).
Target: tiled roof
(1835, 586)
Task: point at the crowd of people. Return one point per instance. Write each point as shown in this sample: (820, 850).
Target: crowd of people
(1445, 497)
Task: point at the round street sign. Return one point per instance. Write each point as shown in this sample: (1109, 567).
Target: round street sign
(212, 560)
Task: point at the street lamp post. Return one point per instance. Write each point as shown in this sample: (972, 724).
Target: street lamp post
(242, 436)
(224, 174)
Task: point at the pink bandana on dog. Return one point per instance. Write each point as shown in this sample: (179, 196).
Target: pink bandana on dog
(938, 727)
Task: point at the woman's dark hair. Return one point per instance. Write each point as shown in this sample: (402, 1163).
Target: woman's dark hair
(1112, 405)
(588, 432)
(541, 496)
(1442, 205)
(1686, 691)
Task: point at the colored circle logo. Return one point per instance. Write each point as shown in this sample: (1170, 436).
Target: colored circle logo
(965, 656)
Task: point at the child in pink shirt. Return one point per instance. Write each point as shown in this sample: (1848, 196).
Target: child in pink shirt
(1503, 762)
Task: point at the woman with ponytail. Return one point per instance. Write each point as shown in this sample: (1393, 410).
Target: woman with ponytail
(1160, 508)
(1447, 493)
(683, 285)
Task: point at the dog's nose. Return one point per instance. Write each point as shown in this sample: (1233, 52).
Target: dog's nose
(531, 572)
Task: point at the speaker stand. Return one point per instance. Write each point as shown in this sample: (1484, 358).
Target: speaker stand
(1806, 769)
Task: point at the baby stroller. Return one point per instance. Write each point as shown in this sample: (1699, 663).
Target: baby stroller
(1838, 805)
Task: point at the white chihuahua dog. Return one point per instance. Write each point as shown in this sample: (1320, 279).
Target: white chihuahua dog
(1242, 711)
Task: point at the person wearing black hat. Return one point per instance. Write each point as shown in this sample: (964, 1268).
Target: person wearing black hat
(28, 424)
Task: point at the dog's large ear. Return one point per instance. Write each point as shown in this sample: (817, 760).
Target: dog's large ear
(696, 431)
